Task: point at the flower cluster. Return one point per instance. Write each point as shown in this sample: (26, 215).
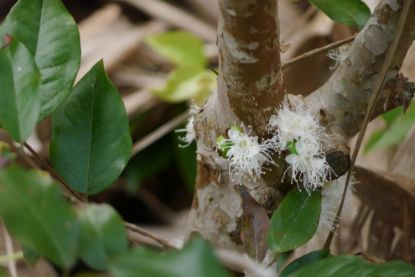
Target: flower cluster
(298, 131)
(246, 155)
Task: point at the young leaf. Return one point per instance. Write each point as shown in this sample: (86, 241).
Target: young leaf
(195, 260)
(91, 141)
(36, 214)
(19, 90)
(295, 221)
(346, 266)
(349, 12)
(103, 235)
(51, 35)
(181, 48)
(187, 82)
(304, 261)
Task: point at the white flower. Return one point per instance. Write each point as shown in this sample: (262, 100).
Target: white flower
(190, 134)
(331, 196)
(338, 55)
(189, 130)
(308, 166)
(298, 130)
(245, 154)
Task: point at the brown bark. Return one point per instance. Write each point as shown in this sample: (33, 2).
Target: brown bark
(249, 58)
(250, 91)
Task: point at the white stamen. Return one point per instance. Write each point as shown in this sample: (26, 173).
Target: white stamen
(299, 127)
(246, 155)
(189, 130)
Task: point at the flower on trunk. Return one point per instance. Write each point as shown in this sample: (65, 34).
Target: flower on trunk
(298, 131)
(246, 155)
(189, 130)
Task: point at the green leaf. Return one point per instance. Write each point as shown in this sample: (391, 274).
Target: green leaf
(187, 82)
(390, 116)
(37, 215)
(30, 255)
(194, 260)
(91, 141)
(373, 140)
(346, 266)
(295, 221)
(181, 48)
(19, 90)
(399, 129)
(103, 235)
(305, 260)
(3, 272)
(349, 12)
(50, 33)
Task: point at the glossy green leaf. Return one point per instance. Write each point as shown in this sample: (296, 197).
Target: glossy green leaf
(181, 48)
(295, 221)
(51, 35)
(350, 12)
(195, 260)
(37, 215)
(187, 82)
(91, 141)
(19, 90)
(103, 235)
(346, 266)
(305, 261)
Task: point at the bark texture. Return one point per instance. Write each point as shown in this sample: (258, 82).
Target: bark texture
(345, 96)
(250, 91)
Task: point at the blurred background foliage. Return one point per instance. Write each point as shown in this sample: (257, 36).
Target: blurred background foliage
(162, 57)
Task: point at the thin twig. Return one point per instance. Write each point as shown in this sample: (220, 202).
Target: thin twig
(155, 205)
(11, 264)
(317, 51)
(46, 166)
(159, 132)
(373, 100)
(230, 259)
(144, 232)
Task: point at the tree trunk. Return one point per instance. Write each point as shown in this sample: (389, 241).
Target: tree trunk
(250, 90)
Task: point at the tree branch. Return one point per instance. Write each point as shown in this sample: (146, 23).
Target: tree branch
(346, 95)
(250, 77)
